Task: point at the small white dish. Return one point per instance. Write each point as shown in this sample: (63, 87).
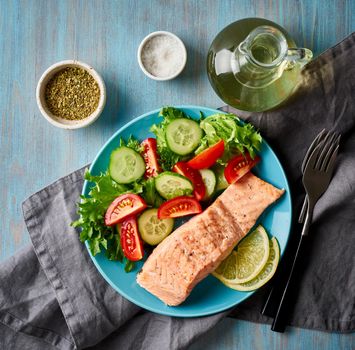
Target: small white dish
(61, 122)
(179, 46)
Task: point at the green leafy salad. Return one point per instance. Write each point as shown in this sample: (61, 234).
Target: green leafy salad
(149, 183)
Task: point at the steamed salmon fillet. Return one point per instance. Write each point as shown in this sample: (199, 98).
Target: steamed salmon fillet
(196, 248)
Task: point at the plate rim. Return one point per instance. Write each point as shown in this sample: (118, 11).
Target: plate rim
(127, 296)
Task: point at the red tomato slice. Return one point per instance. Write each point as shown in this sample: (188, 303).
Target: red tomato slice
(194, 176)
(150, 157)
(131, 243)
(207, 157)
(238, 166)
(178, 207)
(122, 207)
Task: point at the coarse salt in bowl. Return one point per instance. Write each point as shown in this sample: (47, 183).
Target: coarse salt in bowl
(162, 55)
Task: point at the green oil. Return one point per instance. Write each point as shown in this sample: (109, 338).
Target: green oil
(265, 50)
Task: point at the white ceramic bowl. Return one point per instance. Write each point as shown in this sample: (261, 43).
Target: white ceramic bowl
(65, 123)
(181, 47)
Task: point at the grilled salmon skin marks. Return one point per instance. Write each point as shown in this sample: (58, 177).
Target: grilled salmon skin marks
(197, 247)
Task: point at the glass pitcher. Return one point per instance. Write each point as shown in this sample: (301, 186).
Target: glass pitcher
(256, 71)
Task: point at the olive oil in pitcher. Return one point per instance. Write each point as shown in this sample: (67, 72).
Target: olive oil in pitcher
(253, 64)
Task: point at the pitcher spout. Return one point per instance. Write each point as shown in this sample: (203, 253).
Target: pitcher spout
(300, 55)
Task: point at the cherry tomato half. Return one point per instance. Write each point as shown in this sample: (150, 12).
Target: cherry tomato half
(178, 207)
(131, 243)
(238, 166)
(122, 207)
(194, 176)
(150, 157)
(207, 157)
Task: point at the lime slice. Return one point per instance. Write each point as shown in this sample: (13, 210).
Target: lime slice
(266, 273)
(247, 261)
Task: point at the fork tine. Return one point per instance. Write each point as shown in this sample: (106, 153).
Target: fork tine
(313, 157)
(326, 146)
(325, 161)
(326, 138)
(317, 140)
(313, 145)
(332, 160)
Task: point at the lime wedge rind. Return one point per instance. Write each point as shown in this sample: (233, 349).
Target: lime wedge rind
(266, 273)
(247, 261)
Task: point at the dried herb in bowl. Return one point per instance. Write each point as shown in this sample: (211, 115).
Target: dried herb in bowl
(72, 94)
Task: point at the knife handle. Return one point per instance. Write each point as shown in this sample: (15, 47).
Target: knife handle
(279, 323)
(271, 304)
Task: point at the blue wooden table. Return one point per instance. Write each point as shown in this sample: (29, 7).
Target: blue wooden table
(106, 34)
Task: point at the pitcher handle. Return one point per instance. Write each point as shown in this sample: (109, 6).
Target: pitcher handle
(299, 55)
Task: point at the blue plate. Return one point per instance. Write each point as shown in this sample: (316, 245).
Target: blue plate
(210, 296)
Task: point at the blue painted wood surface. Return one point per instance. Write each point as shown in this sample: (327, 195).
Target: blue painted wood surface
(106, 34)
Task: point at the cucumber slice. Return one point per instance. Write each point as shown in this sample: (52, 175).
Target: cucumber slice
(209, 179)
(222, 183)
(152, 229)
(171, 185)
(126, 165)
(183, 135)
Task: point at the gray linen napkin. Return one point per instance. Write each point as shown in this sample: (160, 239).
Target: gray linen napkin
(52, 297)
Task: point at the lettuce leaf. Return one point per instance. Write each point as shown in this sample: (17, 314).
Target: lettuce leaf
(132, 143)
(238, 137)
(91, 211)
(150, 194)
